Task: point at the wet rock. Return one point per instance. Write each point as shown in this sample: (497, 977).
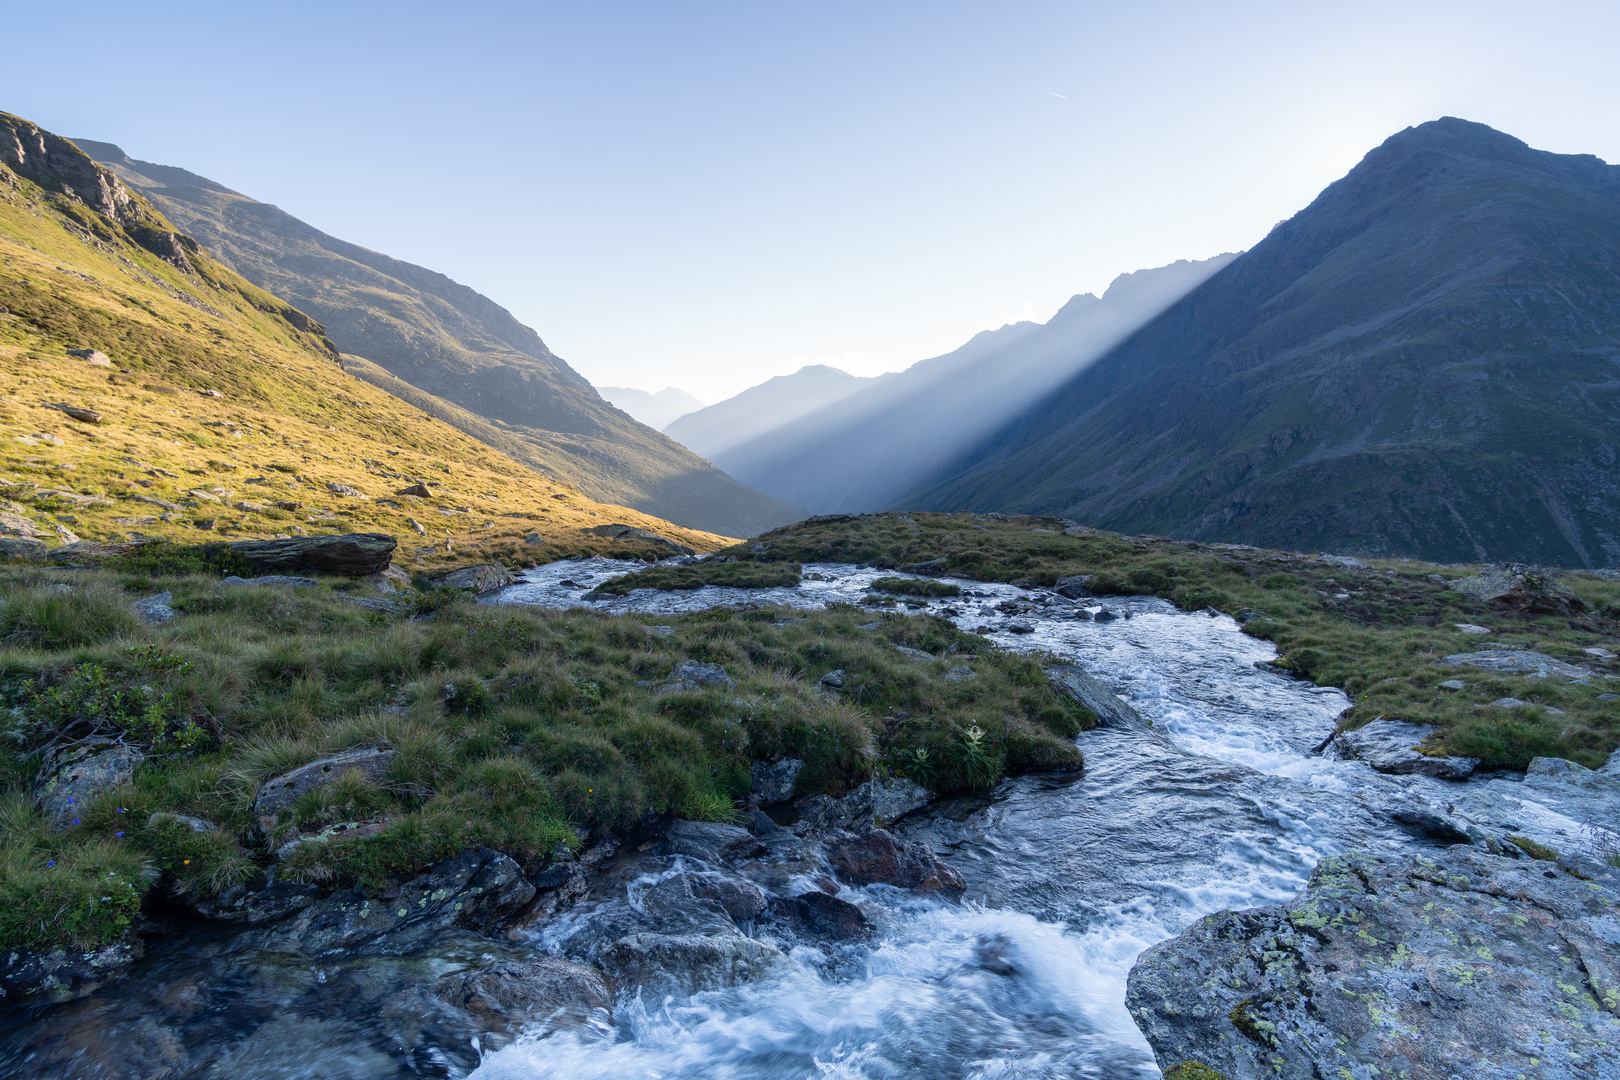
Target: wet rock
(504, 994)
(877, 858)
(154, 610)
(824, 916)
(71, 776)
(773, 783)
(1535, 664)
(1390, 746)
(478, 579)
(1020, 628)
(740, 898)
(477, 890)
(1074, 587)
(1104, 616)
(880, 801)
(258, 902)
(272, 581)
(1110, 709)
(690, 963)
(1517, 586)
(353, 554)
(64, 974)
(1463, 964)
(277, 795)
(1422, 821)
(712, 842)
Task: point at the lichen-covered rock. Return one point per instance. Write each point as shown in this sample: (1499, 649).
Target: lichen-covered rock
(1460, 964)
(278, 794)
(73, 775)
(1520, 661)
(354, 554)
(713, 842)
(478, 579)
(773, 782)
(64, 974)
(154, 610)
(1522, 589)
(1391, 746)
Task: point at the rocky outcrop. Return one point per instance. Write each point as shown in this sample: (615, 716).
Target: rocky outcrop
(154, 610)
(354, 554)
(1517, 586)
(477, 579)
(505, 994)
(1392, 746)
(692, 675)
(630, 532)
(477, 890)
(877, 858)
(881, 801)
(64, 974)
(1464, 964)
(73, 775)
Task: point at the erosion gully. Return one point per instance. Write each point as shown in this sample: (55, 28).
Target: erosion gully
(1069, 878)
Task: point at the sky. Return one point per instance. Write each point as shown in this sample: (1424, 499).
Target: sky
(707, 195)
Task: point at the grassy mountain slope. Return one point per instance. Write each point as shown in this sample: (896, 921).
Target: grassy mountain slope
(1422, 363)
(87, 263)
(453, 343)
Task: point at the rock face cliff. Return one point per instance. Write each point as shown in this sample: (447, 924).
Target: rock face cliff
(1420, 363)
(467, 360)
(1463, 964)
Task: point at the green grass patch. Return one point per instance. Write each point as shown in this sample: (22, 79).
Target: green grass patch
(514, 728)
(900, 586)
(740, 574)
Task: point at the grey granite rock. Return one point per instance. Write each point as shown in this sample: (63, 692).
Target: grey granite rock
(1459, 965)
(1390, 746)
(278, 794)
(773, 782)
(71, 776)
(154, 610)
(1521, 588)
(1518, 661)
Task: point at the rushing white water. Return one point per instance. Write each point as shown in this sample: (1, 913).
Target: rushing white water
(1071, 879)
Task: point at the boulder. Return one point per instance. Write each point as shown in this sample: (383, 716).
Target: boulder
(1074, 587)
(92, 356)
(833, 681)
(1461, 964)
(690, 963)
(477, 579)
(824, 916)
(344, 490)
(71, 776)
(419, 491)
(913, 654)
(154, 610)
(930, 567)
(1518, 661)
(960, 673)
(277, 795)
(88, 549)
(1519, 587)
(773, 783)
(692, 675)
(505, 994)
(1391, 746)
(1109, 708)
(392, 580)
(25, 548)
(877, 858)
(880, 801)
(739, 898)
(353, 554)
(630, 532)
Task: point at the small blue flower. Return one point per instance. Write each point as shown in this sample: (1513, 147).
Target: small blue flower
(70, 798)
(75, 821)
(119, 835)
(51, 863)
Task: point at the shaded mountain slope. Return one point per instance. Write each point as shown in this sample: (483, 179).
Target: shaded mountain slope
(898, 432)
(216, 409)
(455, 344)
(761, 409)
(1425, 362)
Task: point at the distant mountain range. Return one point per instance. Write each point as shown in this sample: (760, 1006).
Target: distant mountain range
(654, 410)
(1424, 362)
(830, 442)
(454, 353)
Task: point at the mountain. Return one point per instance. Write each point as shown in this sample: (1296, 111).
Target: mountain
(1423, 362)
(455, 345)
(897, 433)
(654, 410)
(154, 392)
(772, 404)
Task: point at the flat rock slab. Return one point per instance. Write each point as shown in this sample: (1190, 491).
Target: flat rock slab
(1460, 965)
(478, 579)
(1518, 661)
(274, 581)
(1390, 746)
(354, 554)
(278, 794)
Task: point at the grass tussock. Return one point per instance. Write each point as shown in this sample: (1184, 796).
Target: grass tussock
(1379, 630)
(515, 728)
(738, 574)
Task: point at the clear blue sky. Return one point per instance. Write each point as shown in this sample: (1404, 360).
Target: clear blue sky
(708, 194)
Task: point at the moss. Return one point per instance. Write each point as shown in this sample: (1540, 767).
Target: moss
(1534, 850)
(1192, 1070)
